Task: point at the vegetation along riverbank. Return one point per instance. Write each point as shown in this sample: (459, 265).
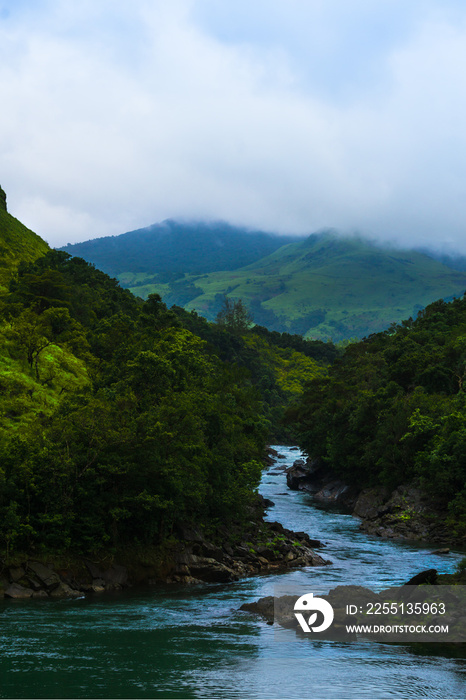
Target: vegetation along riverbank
(125, 427)
(133, 435)
(388, 423)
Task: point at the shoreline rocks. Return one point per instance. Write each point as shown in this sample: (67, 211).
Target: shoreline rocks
(34, 579)
(311, 476)
(270, 547)
(405, 513)
(354, 606)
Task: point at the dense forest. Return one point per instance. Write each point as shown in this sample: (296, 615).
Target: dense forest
(121, 419)
(392, 410)
(172, 249)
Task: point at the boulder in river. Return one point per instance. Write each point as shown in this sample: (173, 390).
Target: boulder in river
(298, 476)
(335, 491)
(429, 576)
(63, 590)
(310, 475)
(14, 590)
(351, 606)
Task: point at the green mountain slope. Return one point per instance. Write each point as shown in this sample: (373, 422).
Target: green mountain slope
(34, 372)
(17, 243)
(392, 412)
(325, 286)
(122, 421)
(163, 252)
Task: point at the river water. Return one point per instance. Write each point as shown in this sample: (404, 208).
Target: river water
(193, 642)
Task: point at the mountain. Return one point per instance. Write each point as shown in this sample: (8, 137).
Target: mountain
(325, 286)
(167, 251)
(17, 243)
(454, 261)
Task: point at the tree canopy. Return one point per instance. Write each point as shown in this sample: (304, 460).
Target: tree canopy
(392, 409)
(121, 420)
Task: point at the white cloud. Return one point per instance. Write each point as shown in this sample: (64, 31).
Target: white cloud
(117, 115)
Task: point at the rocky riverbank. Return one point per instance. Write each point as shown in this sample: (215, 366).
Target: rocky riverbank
(404, 513)
(267, 547)
(191, 556)
(311, 476)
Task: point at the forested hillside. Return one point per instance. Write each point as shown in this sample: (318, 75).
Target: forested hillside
(121, 420)
(392, 410)
(17, 243)
(167, 251)
(324, 286)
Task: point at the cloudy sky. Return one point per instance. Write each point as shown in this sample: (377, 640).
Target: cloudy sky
(285, 115)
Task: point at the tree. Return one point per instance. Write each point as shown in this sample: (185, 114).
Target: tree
(234, 316)
(28, 332)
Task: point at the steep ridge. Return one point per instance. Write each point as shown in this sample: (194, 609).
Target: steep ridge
(17, 243)
(122, 424)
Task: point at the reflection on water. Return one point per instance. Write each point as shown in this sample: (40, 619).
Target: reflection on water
(193, 642)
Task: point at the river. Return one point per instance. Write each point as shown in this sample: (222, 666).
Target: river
(193, 642)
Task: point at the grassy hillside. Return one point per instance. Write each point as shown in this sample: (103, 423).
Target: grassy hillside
(28, 388)
(324, 287)
(164, 252)
(17, 243)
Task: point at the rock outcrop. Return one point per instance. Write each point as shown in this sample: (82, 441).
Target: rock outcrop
(15, 590)
(266, 547)
(404, 513)
(311, 476)
(2, 199)
(34, 579)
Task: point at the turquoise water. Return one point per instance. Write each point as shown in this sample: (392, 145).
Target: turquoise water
(193, 642)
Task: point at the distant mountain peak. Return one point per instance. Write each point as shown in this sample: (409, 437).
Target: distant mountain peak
(326, 285)
(179, 248)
